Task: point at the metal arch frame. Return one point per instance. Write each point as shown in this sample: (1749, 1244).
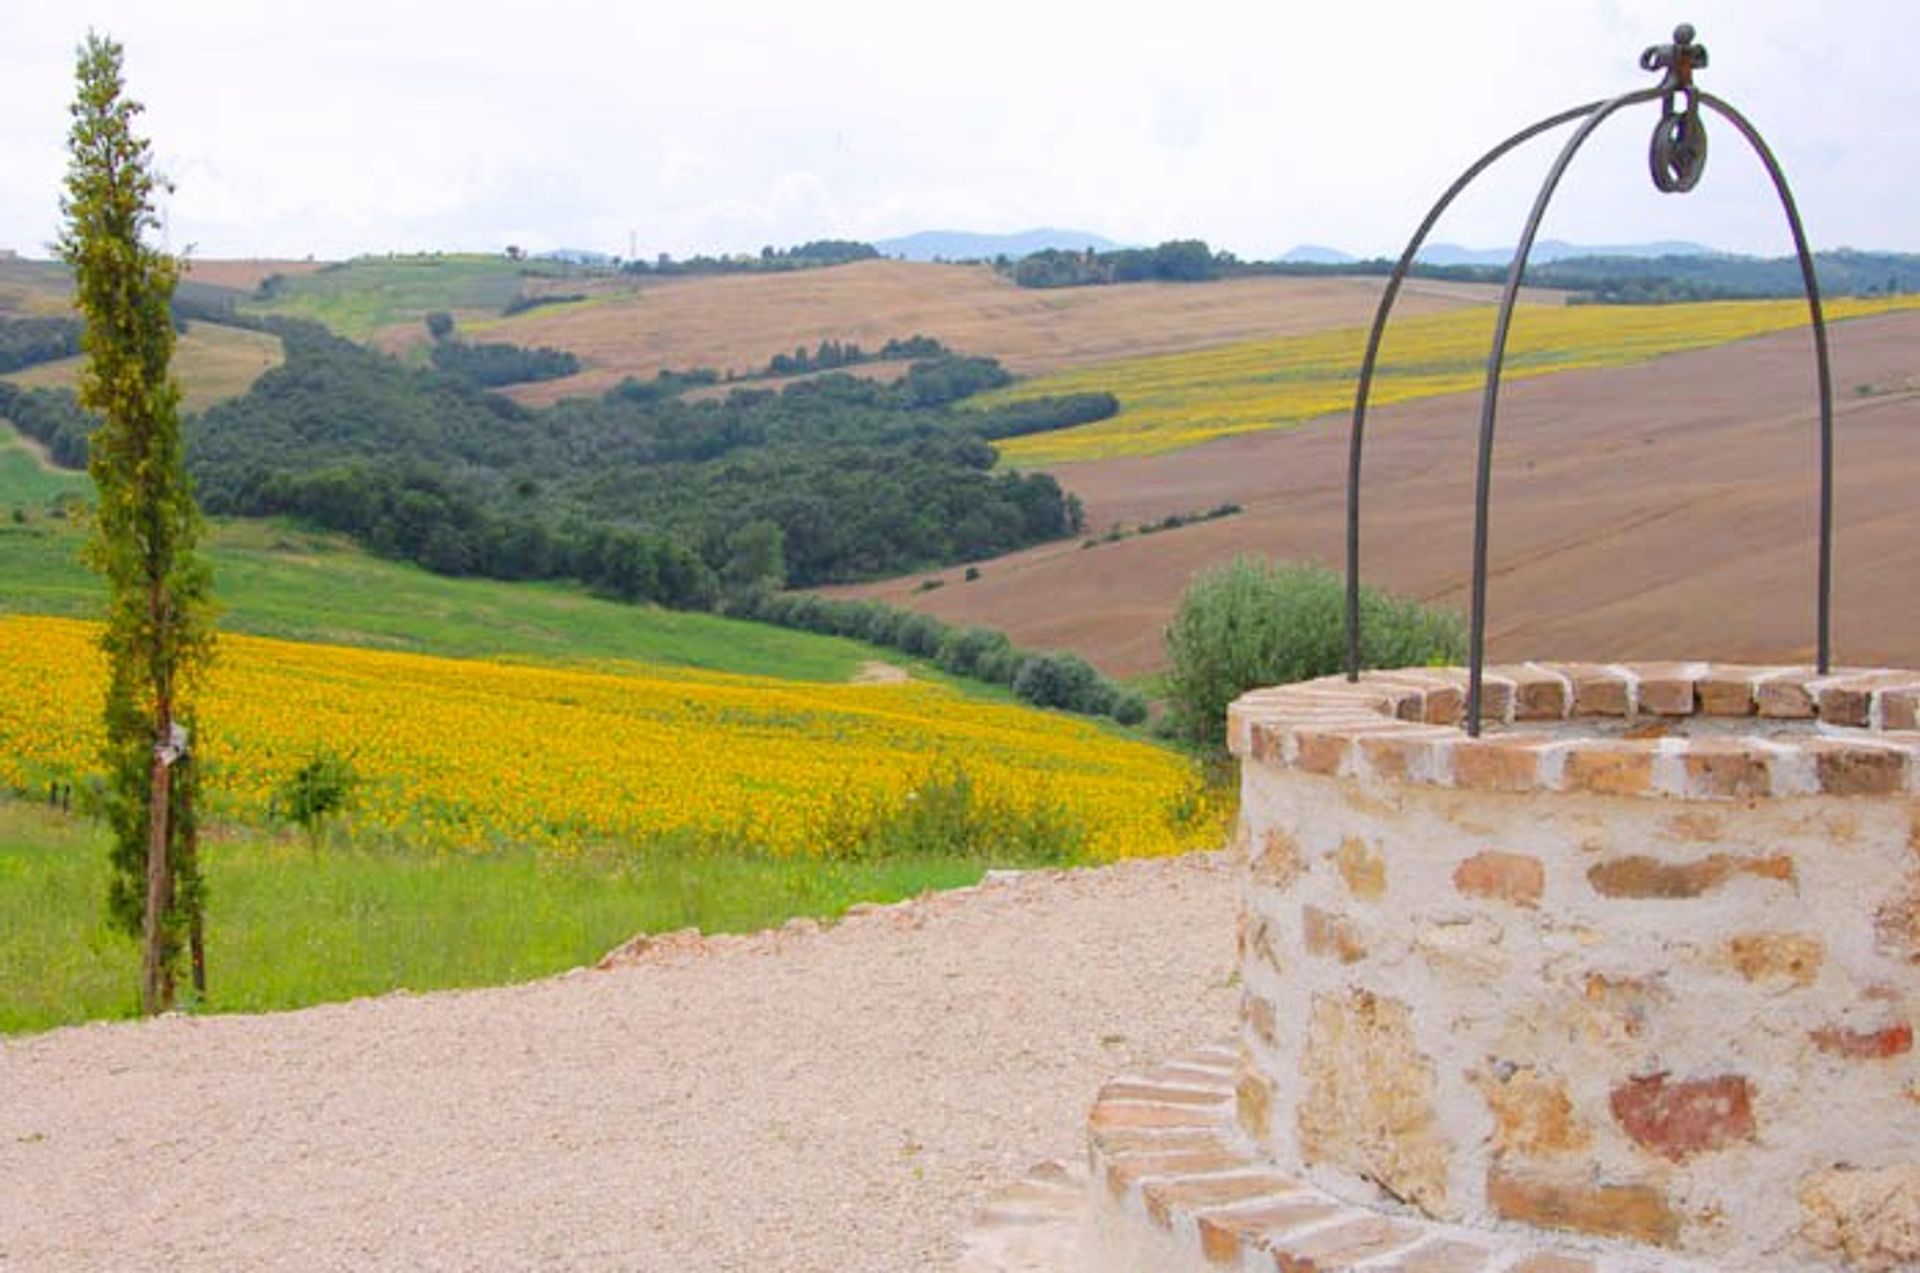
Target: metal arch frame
(1594, 114)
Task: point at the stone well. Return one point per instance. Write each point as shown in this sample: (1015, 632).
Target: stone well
(1637, 966)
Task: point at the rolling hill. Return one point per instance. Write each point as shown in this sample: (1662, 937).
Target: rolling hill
(1663, 510)
(736, 322)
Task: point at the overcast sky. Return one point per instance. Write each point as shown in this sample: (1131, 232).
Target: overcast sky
(344, 127)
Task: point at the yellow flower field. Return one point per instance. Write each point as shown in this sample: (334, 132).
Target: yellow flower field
(460, 753)
(1170, 401)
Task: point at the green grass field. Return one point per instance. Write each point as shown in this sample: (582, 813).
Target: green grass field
(288, 926)
(359, 297)
(26, 481)
(276, 581)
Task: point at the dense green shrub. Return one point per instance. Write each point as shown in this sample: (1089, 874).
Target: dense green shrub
(1254, 623)
(1066, 681)
(963, 649)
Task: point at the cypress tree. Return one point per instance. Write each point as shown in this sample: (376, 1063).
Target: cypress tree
(159, 624)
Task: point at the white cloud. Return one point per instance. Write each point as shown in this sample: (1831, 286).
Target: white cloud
(348, 125)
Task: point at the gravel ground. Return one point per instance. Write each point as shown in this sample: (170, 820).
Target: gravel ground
(833, 1099)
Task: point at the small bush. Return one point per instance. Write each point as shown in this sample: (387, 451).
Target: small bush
(960, 654)
(946, 815)
(1253, 623)
(1065, 681)
(311, 796)
(919, 635)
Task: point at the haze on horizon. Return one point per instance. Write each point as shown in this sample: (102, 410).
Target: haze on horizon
(334, 129)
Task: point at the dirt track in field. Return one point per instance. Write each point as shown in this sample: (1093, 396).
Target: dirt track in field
(1659, 511)
(737, 322)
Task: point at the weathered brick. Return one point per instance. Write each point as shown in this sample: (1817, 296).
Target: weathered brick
(1444, 705)
(1444, 1255)
(1538, 694)
(1321, 750)
(1896, 924)
(1506, 877)
(1253, 1105)
(1363, 867)
(1598, 691)
(1726, 691)
(1278, 863)
(1666, 689)
(1532, 1113)
(1852, 769)
(1166, 1197)
(1867, 1216)
(1864, 1045)
(1843, 704)
(1727, 767)
(1679, 1120)
(1617, 770)
(1900, 709)
(1331, 936)
(1554, 1262)
(1127, 1170)
(1646, 877)
(1369, 1103)
(1510, 763)
(1222, 1233)
(1119, 1141)
(1257, 1011)
(1161, 1093)
(1785, 695)
(1113, 1115)
(1341, 1245)
(1792, 957)
(1638, 1212)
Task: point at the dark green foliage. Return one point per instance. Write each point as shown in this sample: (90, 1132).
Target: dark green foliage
(1179, 260)
(494, 364)
(1043, 415)
(159, 630)
(1172, 521)
(963, 650)
(26, 341)
(806, 256)
(1065, 681)
(524, 302)
(51, 417)
(439, 324)
(311, 795)
(858, 481)
(938, 381)
(1253, 623)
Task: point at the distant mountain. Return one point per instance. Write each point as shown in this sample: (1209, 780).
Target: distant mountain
(958, 245)
(1314, 254)
(575, 256)
(1547, 250)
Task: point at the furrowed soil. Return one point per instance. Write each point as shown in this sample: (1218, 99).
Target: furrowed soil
(1665, 510)
(737, 322)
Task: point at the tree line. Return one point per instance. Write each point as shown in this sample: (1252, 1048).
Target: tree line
(642, 498)
(812, 255)
(26, 341)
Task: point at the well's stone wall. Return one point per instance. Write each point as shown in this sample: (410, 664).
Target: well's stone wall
(1639, 965)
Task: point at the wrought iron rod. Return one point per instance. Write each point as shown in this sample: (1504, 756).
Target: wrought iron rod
(1380, 315)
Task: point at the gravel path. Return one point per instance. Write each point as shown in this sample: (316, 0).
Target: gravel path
(832, 1099)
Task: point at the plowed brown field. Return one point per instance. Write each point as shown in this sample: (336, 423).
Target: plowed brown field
(246, 275)
(1665, 510)
(736, 322)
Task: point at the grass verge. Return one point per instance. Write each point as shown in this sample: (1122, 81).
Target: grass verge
(288, 927)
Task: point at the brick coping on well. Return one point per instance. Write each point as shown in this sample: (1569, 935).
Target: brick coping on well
(1858, 733)
(1165, 1150)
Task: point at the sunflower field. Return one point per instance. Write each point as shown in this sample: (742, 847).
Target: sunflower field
(1171, 401)
(454, 755)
